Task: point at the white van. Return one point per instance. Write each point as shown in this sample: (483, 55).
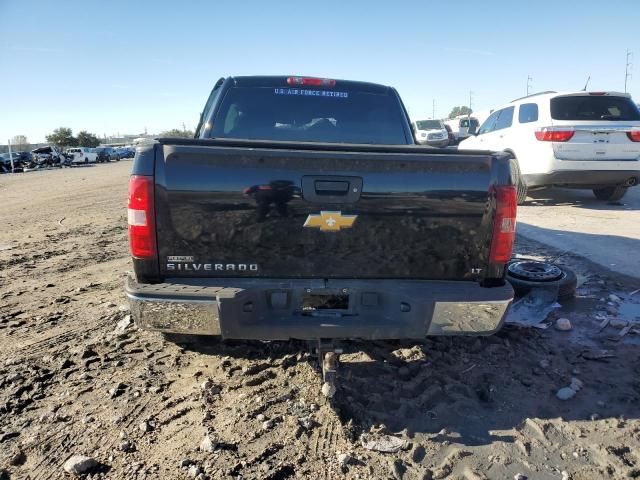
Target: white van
(573, 139)
(431, 132)
(83, 155)
(463, 126)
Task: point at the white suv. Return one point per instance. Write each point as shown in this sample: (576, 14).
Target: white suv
(573, 139)
(83, 155)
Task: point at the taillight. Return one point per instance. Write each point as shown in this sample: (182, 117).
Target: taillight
(634, 135)
(554, 134)
(140, 216)
(311, 81)
(504, 224)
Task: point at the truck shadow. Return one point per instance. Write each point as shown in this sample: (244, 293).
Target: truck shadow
(553, 197)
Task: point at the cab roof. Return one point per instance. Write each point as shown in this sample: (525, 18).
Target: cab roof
(553, 94)
(281, 81)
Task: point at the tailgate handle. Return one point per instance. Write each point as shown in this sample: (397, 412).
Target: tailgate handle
(331, 188)
(324, 187)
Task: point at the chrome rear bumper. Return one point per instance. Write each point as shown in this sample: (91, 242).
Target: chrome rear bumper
(378, 309)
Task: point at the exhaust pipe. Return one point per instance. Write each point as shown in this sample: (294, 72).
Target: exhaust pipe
(631, 182)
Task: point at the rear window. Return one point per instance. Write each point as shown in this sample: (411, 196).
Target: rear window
(428, 125)
(583, 107)
(469, 123)
(310, 115)
(528, 113)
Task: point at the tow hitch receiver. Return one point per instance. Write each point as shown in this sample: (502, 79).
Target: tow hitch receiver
(329, 359)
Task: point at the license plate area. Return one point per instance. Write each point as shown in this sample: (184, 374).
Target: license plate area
(600, 137)
(325, 302)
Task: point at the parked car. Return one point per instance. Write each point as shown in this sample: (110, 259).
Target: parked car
(125, 152)
(83, 155)
(5, 162)
(107, 154)
(462, 127)
(49, 155)
(356, 231)
(25, 157)
(431, 132)
(572, 139)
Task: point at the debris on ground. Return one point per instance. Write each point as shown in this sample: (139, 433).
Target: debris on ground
(534, 308)
(123, 324)
(383, 443)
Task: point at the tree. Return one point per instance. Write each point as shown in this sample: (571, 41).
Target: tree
(86, 139)
(174, 132)
(462, 110)
(62, 137)
(20, 143)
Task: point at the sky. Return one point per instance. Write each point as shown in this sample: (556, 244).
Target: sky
(130, 66)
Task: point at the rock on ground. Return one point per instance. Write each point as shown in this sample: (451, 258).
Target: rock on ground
(79, 464)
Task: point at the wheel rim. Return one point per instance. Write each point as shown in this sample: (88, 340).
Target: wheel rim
(535, 271)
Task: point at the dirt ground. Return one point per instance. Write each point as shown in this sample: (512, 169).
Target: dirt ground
(77, 379)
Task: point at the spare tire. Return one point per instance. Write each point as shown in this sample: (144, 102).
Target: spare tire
(526, 275)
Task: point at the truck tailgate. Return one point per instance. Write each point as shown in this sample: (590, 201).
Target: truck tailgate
(225, 211)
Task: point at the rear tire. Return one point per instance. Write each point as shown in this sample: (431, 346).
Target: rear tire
(610, 194)
(521, 187)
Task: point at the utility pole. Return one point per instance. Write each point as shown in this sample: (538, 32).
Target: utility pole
(470, 99)
(433, 115)
(10, 155)
(529, 84)
(184, 128)
(627, 69)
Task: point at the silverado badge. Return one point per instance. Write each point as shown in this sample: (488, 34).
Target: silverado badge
(330, 221)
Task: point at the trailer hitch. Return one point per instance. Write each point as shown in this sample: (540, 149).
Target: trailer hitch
(329, 359)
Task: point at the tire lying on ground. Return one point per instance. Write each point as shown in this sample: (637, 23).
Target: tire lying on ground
(526, 275)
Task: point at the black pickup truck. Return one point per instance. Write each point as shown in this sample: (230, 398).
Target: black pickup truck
(304, 209)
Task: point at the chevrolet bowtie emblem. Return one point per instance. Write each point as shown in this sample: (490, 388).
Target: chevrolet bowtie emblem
(330, 221)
